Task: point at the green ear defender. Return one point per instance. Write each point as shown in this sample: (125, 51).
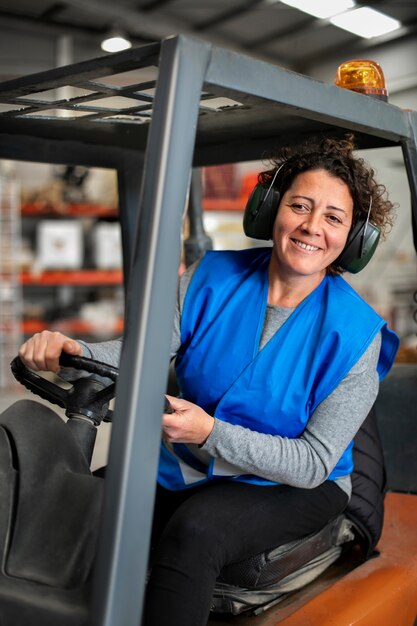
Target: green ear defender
(261, 209)
(260, 212)
(360, 246)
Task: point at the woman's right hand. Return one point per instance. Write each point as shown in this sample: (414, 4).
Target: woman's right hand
(42, 351)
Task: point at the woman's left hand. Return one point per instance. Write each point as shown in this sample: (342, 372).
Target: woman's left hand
(187, 424)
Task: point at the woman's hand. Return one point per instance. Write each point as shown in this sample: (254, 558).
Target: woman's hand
(42, 351)
(188, 424)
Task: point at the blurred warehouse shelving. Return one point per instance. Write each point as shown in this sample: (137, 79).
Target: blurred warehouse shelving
(10, 289)
(72, 277)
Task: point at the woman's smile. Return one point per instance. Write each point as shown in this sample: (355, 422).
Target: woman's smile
(305, 246)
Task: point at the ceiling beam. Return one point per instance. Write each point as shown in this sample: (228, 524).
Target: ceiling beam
(302, 27)
(135, 21)
(141, 24)
(358, 46)
(229, 14)
(152, 5)
(52, 11)
(46, 26)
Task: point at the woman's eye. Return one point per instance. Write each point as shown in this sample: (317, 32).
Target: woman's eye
(335, 219)
(299, 207)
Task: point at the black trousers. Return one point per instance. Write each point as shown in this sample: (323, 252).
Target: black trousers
(197, 531)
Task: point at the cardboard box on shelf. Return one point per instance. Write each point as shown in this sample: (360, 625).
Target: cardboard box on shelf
(59, 245)
(107, 245)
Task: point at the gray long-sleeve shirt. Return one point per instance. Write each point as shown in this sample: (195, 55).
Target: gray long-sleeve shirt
(305, 461)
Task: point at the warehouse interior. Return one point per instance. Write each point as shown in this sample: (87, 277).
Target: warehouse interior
(63, 234)
(67, 260)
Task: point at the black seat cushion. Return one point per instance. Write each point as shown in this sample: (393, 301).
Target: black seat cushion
(274, 565)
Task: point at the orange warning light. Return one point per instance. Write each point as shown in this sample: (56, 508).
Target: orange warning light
(364, 76)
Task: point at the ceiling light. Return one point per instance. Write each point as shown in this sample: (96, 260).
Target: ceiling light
(115, 42)
(321, 8)
(366, 22)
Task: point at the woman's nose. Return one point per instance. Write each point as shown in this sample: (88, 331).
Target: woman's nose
(312, 224)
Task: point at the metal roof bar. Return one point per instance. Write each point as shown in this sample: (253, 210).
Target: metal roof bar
(121, 566)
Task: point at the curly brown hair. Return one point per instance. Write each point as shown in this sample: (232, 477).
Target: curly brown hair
(336, 156)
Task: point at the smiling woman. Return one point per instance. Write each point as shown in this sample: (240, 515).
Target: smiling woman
(278, 362)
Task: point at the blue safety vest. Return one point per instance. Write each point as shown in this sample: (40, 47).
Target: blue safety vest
(274, 390)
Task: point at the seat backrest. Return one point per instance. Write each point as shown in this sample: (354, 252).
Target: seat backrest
(396, 411)
(384, 453)
(366, 505)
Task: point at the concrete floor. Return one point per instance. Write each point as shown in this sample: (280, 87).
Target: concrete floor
(14, 393)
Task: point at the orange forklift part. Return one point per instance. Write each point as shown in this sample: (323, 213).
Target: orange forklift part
(363, 76)
(379, 592)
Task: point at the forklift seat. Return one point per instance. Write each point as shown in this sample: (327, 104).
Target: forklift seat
(257, 583)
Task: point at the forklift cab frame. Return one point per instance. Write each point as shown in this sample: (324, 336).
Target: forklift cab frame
(207, 106)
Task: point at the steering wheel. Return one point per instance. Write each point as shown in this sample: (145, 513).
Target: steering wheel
(86, 397)
(85, 402)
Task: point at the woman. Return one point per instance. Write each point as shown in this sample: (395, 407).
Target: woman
(278, 361)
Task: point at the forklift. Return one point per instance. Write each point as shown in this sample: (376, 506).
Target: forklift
(74, 547)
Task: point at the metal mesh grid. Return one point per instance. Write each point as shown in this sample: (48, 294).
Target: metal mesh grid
(124, 93)
(99, 102)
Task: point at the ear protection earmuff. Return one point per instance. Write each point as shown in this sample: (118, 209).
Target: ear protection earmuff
(261, 210)
(360, 245)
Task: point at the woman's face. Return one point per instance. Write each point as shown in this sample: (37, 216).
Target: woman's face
(312, 224)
